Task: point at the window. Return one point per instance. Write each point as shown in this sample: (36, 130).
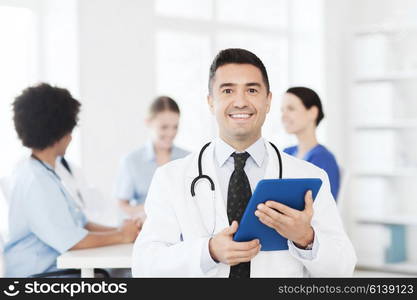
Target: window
(193, 34)
(32, 50)
(18, 70)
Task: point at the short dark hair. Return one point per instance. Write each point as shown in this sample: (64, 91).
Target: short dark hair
(44, 114)
(162, 104)
(309, 98)
(237, 56)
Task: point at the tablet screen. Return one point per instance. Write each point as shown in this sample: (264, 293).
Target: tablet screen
(289, 192)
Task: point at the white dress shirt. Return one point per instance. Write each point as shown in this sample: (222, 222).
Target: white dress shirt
(255, 170)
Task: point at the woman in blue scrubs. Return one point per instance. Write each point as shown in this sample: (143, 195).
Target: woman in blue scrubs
(301, 114)
(137, 168)
(44, 220)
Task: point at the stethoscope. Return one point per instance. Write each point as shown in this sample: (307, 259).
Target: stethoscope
(62, 187)
(202, 176)
(46, 167)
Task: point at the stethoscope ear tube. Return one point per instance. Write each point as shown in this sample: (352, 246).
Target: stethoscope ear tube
(279, 159)
(200, 172)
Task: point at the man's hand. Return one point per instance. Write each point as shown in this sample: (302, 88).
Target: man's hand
(293, 224)
(223, 249)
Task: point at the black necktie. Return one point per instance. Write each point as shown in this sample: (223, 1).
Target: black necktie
(238, 195)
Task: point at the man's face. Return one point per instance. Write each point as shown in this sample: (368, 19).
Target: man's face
(240, 101)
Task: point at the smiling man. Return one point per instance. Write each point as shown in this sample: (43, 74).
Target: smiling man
(195, 204)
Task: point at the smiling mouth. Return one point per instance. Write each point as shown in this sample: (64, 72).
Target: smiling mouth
(240, 116)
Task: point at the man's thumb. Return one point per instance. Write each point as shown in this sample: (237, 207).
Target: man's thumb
(232, 228)
(308, 200)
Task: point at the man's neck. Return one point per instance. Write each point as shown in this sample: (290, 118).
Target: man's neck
(240, 145)
(47, 155)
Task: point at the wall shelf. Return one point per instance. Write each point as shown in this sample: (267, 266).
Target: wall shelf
(394, 76)
(408, 268)
(382, 123)
(408, 220)
(395, 173)
(391, 125)
(384, 29)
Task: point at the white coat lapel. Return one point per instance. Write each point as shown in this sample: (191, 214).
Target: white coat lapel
(209, 206)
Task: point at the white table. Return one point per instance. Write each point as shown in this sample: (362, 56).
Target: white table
(116, 256)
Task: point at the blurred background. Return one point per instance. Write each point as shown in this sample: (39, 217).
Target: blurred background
(115, 56)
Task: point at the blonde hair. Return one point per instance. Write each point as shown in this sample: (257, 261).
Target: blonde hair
(162, 104)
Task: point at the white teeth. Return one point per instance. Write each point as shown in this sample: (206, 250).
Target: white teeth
(240, 116)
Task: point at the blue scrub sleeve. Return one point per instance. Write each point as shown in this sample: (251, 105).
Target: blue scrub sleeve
(50, 218)
(125, 188)
(332, 169)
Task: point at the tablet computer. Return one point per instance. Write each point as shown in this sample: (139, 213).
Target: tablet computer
(289, 192)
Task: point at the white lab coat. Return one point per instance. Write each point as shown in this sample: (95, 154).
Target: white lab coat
(177, 229)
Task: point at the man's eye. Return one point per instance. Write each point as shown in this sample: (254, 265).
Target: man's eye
(253, 91)
(227, 91)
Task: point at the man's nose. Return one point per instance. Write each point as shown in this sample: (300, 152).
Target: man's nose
(240, 100)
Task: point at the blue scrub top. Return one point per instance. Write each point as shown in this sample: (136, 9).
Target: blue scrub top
(324, 159)
(136, 172)
(44, 221)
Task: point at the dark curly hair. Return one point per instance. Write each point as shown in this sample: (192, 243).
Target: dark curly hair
(44, 114)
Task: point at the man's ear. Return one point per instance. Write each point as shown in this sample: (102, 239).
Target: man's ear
(210, 103)
(269, 99)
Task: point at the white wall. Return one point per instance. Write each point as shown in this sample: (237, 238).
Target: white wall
(307, 57)
(58, 54)
(116, 83)
(336, 64)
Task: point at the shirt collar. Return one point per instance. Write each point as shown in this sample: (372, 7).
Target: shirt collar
(42, 163)
(223, 151)
(45, 166)
(150, 152)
